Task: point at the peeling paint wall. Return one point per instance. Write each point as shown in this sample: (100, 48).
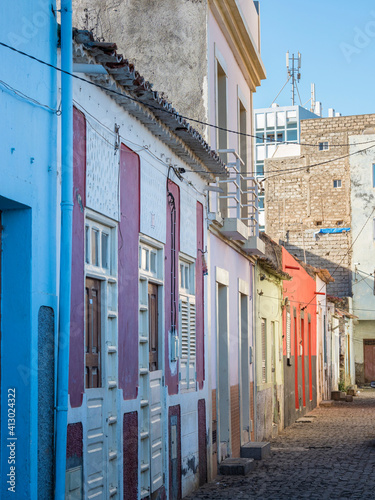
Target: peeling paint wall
(269, 391)
(166, 40)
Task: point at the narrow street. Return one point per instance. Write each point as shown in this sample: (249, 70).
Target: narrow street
(331, 457)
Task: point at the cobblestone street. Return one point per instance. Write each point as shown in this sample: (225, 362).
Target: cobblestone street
(332, 457)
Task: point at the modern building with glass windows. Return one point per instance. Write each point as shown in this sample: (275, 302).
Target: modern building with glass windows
(275, 126)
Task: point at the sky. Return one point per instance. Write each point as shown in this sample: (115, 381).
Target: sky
(336, 39)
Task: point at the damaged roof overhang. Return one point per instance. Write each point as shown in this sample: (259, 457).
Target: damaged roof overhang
(148, 106)
(270, 267)
(341, 313)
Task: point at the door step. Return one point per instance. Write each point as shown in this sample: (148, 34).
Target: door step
(256, 450)
(326, 403)
(236, 466)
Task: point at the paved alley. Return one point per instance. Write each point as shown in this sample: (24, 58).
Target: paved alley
(333, 457)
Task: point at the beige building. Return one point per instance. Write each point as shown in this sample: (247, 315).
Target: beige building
(308, 205)
(320, 206)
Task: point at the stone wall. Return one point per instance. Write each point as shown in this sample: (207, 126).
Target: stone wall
(301, 197)
(165, 39)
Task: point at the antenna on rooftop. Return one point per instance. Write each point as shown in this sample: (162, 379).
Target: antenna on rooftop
(293, 65)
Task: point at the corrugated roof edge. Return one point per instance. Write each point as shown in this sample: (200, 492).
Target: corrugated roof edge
(196, 151)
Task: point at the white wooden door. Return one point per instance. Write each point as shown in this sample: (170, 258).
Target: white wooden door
(95, 449)
(156, 429)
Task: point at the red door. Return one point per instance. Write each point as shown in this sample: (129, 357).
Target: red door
(369, 355)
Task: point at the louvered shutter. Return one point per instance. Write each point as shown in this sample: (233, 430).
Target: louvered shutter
(184, 343)
(192, 343)
(263, 332)
(187, 343)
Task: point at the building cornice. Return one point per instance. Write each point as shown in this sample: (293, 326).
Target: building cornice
(234, 27)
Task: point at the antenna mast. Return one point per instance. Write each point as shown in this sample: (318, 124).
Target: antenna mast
(293, 66)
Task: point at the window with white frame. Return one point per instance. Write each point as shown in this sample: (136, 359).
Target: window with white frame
(337, 183)
(98, 246)
(148, 260)
(150, 304)
(100, 281)
(187, 324)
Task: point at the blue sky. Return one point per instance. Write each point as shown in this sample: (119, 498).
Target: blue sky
(337, 41)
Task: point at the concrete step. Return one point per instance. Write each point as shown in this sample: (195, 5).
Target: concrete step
(338, 395)
(256, 450)
(326, 403)
(236, 466)
(305, 420)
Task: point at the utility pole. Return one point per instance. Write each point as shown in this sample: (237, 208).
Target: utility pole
(293, 65)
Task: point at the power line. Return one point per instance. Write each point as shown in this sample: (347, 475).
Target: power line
(20, 94)
(187, 170)
(347, 253)
(297, 169)
(312, 303)
(279, 172)
(126, 140)
(173, 113)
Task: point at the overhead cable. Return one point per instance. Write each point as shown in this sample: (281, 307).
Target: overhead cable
(173, 113)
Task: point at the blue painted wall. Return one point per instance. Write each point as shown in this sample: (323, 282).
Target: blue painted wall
(28, 187)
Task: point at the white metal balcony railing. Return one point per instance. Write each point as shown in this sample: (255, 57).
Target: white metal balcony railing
(234, 194)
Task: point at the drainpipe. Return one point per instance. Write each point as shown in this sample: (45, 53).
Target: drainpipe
(66, 245)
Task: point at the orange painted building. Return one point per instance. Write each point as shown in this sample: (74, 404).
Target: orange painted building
(299, 340)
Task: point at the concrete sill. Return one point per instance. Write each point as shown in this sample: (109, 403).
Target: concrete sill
(234, 228)
(254, 246)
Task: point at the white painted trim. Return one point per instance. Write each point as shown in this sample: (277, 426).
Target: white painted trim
(147, 240)
(222, 276)
(220, 59)
(241, 97)
(101, 219)
(243, 287)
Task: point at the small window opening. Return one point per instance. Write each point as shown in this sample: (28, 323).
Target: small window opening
(323, 146)
(337, 183)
